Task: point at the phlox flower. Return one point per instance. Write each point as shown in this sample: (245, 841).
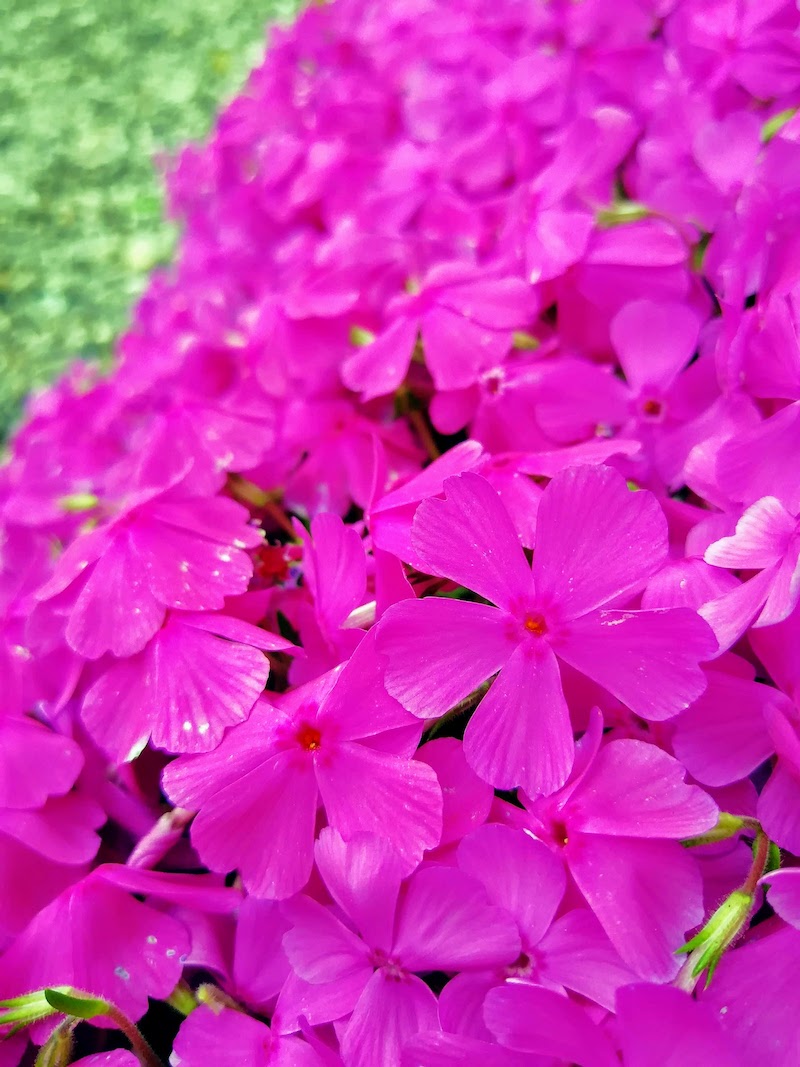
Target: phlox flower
(340, 739)
(617, 824)
(159, 550)
(530, 1026)
(335, 575)
(96, 937)
(437, 919)
(767, 540)
(462, 316)
(568, 952)
(596, 545)
(200, 674)
(229, 1038)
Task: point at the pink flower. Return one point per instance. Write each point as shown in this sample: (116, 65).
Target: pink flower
(596, 546)
(97, 938)
(437, 919)
(617, 825)
(194, 704)
(159, 551)
(230, 1038)
(568, 952)
(339, 738)
(462, 316)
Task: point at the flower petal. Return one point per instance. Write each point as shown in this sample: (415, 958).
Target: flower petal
(647, 659)
(520, 733)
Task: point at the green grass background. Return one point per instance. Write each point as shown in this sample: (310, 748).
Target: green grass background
(90, 91)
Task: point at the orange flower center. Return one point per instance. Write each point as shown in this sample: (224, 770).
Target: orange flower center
(535, 624)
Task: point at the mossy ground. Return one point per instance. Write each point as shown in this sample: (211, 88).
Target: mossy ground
(90, 92)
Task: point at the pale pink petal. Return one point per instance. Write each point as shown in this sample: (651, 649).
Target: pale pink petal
(663, 1027)
(319, 947)
(650, 660)
(576, 954)
(721, 737)
(446, 923)
(596, 540)
(520, 733)
(363, 876)
(437, 651)
(761, 537)
(466, 798)
(529, 1018)
(509, 862)
(387, 1015)
(379, 368)
(654, 341)
(785, 592)
(470, 538)
(646, 894)
(405, 799)
(634, 789)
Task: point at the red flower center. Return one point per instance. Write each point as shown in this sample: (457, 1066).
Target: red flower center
(309, 737)
(535, 624)
(652, 408)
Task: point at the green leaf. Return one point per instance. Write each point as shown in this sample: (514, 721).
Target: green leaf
(80, 1005)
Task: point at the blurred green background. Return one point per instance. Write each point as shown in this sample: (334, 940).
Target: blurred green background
(90, 91)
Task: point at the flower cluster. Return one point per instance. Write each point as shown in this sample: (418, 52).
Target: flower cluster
(399, 648)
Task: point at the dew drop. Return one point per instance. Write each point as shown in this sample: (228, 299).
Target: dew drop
(120, 972)
(152, 939)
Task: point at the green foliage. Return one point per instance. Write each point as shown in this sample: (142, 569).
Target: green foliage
(92, 90)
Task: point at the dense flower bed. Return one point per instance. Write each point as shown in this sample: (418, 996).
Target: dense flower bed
(399, 648)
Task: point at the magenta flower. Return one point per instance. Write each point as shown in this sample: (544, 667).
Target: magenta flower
(596, 545)
(568, 952)
(463, 317)
(340, 739)
(767, 540)
(192, 710)
(617, 825)
(159, 551)
(437, 919)
(531, 1026)
(230, 1038)
(98, 938)
(659, 1025)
